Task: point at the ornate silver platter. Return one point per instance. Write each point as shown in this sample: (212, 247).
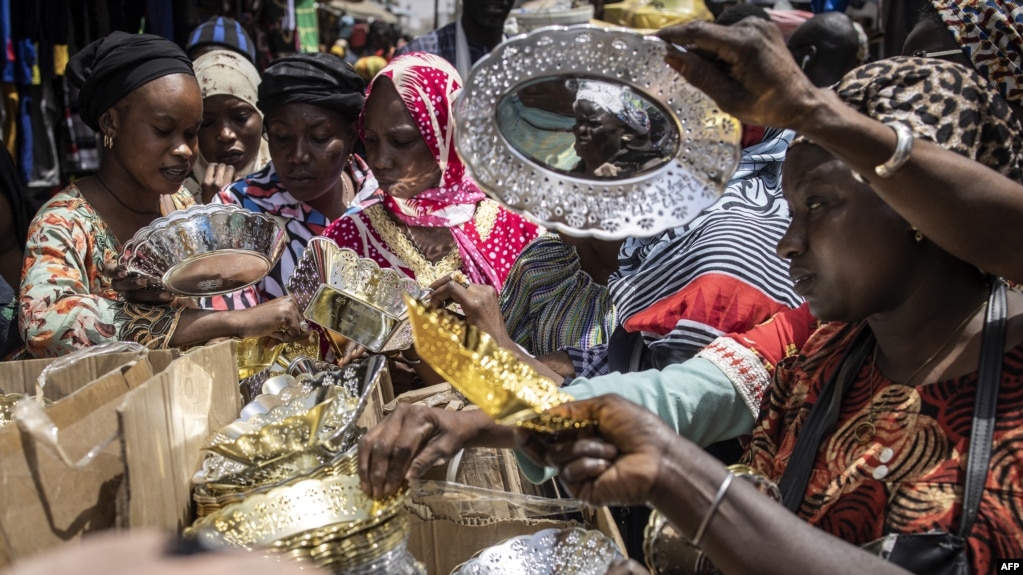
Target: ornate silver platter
(206, 250)
(571, 551)
(588, 131)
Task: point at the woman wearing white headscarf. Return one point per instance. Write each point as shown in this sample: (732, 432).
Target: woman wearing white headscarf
(230, 138)
(612, 131)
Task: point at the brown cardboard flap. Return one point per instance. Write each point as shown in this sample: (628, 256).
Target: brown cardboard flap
(20, 376)
(164, 424)
(45, 498)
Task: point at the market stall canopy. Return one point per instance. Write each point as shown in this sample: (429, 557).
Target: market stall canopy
(361, 10)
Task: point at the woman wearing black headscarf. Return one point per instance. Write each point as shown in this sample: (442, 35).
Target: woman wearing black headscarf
(140, 93)
(310, 105)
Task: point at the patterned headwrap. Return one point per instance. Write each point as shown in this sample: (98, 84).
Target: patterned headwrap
(942, 102)
(990, 33)
(428, 84)
(226, 72)
(224, 32)
(617, 101)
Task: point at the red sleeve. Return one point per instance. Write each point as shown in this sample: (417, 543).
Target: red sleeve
(779, 337)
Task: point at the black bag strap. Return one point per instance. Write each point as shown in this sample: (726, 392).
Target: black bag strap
(824, 413)
(992, 345)
(819, 422)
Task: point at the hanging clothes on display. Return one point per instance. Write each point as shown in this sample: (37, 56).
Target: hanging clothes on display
(308, 25)
(278, 20)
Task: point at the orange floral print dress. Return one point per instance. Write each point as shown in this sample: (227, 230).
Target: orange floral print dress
(66, 303)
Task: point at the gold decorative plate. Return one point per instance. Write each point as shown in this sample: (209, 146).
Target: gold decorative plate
(263, 520)
(352, 297)
(491, 377)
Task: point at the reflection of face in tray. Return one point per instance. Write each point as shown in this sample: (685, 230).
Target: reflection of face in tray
(217, 272)
(358, 321)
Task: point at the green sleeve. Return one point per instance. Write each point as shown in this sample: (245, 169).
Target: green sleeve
(695, 398)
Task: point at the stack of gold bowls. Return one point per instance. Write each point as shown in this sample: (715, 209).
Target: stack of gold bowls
(329, 522)
(293, 432)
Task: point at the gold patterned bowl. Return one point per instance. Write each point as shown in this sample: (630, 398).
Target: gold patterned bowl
(255, 354)
(206, 249)
(213, 496)
(252, 444)
(222, 480)
(353, 297)
(340, 551)
(491, 377)
(283, 514)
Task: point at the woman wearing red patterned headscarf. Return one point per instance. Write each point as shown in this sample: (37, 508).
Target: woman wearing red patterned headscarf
(431, 219)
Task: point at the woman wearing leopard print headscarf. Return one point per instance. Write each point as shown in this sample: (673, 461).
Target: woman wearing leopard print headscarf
(895, 371)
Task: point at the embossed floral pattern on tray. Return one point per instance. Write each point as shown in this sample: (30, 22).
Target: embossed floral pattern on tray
(285, 512)
(572, 551)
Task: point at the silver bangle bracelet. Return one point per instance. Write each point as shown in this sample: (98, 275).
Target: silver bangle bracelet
(718, 498)
(903, 148)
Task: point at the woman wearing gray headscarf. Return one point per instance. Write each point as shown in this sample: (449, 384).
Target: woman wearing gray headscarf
(231, 145)
(140, 93)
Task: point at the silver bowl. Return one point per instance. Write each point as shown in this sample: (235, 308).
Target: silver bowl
(206, 250)
(572, 551)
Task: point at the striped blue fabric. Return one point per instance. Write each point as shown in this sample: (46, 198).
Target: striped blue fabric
(225, 32)
(735, 236)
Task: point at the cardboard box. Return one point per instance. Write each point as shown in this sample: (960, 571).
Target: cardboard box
(451, 522)
(139, 418)
(163, 425)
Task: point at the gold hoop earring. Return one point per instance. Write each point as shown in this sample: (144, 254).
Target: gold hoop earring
(108, 141)
(918, 236)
